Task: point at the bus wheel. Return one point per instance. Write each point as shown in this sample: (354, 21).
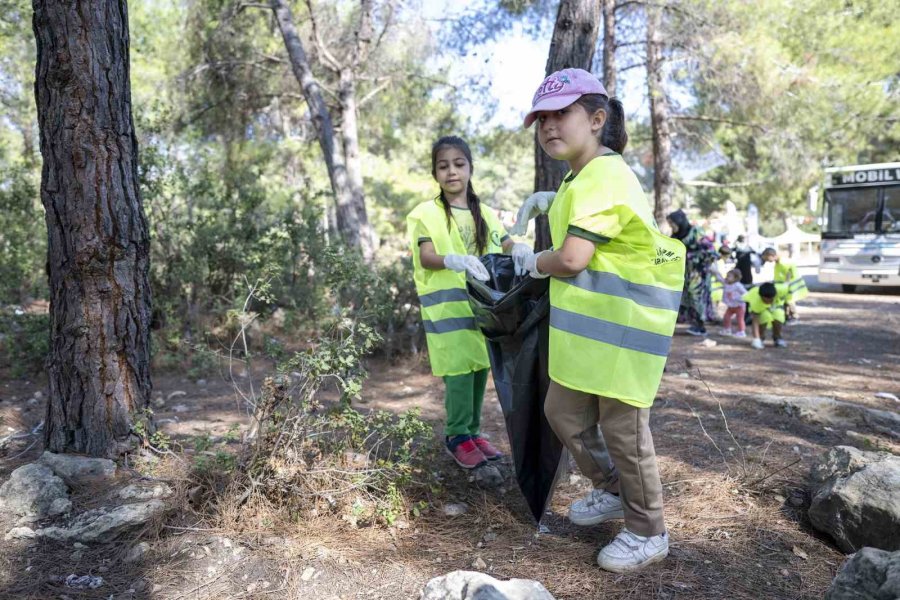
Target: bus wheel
(848, 288)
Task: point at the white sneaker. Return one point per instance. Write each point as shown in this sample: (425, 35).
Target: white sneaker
(630, 552)
(780, 343)
(597, 507)
(724, 331)
(757, 343)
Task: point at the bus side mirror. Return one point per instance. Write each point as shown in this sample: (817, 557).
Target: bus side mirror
(813, 199)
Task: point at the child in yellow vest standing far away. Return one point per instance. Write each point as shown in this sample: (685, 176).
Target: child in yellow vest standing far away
(447, 235)
(614, 298)
(766, 304)
(786, 272)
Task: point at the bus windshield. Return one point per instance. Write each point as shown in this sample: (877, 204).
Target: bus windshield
(851, 210)
(890, 216)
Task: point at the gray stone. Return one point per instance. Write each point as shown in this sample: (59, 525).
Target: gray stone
(856, 498)
(105, 524)
(79, 470)
(488, 476)
(137, 553)
(20, 533)
(455, 510)
(471, 585)
(828, 411)
(870, 574)
(33, 492)
(145, 491)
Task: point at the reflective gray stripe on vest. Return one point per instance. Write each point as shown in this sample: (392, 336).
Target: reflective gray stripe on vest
(613, 285)
(609, 332)
(797, 284)
(448, 325)
(441, 296)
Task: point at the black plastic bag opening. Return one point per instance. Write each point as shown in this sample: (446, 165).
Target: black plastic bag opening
(512, 312)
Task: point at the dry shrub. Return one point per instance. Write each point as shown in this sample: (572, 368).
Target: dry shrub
(316, 459)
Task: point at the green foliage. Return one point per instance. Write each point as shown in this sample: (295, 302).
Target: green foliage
(788, 88)
(24, 342)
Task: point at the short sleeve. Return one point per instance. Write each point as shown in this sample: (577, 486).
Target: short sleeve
(420, 233)
(599, 226)
(494, 224)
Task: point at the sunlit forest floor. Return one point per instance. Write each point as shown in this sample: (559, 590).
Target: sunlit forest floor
(734, 470)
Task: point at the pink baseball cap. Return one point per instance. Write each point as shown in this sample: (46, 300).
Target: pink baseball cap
(561, 89)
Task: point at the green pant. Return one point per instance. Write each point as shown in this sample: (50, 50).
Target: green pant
(463, 399)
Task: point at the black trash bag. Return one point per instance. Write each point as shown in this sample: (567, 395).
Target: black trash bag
(512, 313)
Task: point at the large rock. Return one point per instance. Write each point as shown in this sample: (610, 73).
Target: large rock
(79, 470)
(105, 524)
(856, 498)
(835, 413)
(33, 492)
(870, 574)
(471, 585)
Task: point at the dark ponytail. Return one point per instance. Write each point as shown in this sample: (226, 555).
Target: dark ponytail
(613, 135)
(472, 200)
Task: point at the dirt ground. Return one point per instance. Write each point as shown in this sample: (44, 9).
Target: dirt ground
(734, 473)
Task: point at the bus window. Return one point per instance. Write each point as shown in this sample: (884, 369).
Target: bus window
(851, 210)
(890, 216)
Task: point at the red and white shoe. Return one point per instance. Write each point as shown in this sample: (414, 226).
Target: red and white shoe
(467, 455)
(488, 449)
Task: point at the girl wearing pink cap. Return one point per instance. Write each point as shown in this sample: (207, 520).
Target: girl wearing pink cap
(614, 299)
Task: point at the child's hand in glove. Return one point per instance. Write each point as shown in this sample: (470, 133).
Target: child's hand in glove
(468, 263)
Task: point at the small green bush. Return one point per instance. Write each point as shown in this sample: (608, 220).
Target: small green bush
(24, 342)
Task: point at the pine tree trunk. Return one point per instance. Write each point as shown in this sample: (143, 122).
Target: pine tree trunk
(609, 46)
(98, 252)
(572, 46)
(659, 118)
(352, 221)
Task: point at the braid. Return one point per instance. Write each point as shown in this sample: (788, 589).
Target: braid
(446, 206)
(481, 229)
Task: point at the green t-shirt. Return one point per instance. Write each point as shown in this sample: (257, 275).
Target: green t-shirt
(466, 225)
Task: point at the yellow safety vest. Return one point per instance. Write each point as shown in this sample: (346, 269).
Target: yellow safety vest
(611, 325)
(455, 345)
(786, 272)
(717, 288)
(768, 312)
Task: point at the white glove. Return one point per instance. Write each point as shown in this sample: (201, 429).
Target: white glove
(537, 203)
(468, 263)
(757, 343)
(519, 253)
(530, 265)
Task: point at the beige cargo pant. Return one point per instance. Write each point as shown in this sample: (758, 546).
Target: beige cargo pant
(611, 444)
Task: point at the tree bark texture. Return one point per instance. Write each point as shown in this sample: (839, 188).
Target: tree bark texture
(609, 46)
(98, 254)
(659, 118)
(352, 220)
(572, 46)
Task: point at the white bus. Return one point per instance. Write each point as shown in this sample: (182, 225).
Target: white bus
(861, 226)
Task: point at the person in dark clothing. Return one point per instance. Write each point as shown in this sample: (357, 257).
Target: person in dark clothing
(696, 299)
(746, 260)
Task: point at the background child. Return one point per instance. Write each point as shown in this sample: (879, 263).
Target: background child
(716, 286)
(766, 304)
(614, 299)
(733, 297)
(786, 272)
(447, 235)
